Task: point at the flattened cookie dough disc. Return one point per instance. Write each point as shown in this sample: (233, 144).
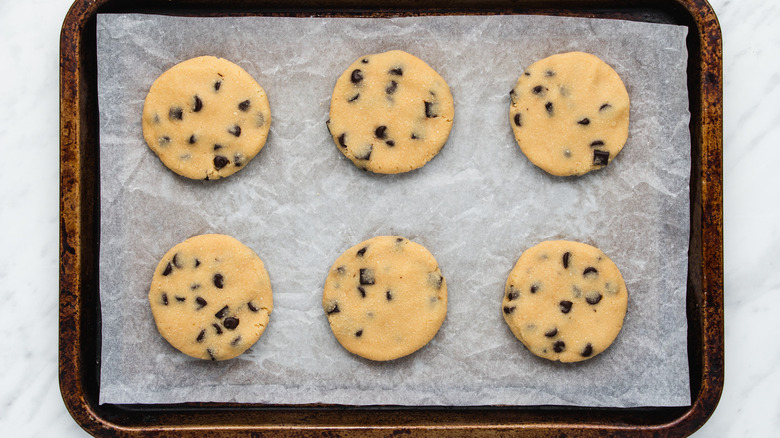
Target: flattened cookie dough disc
(211, 297)
(385, 298)
(565, 300)
(205, 118)
(390, 112)
(569, 113)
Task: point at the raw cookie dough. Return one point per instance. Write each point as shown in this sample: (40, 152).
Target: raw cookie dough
(211, 297)
(565, 300)
(390, 112)
(385, 298)
(569, 113)
(206, 118)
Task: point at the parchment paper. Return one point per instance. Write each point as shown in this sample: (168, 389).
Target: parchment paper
(476, 206)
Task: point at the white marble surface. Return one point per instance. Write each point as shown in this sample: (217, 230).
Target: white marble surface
(30, 402)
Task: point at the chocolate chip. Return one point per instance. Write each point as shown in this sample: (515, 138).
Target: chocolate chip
(180, 299)
(559, 346)
(399, 239)
(341, 270)
(392, 87)
(201, 302)
(217, 84)
(235, 342)
(593, 299)
(538, 89)
(197, 263)
(429, 110)
(600, 158)
(165, 298)
(238, 159)
(527, 73)
(566, 257)
(587, 351)
(435, 279)
(211, 354)
(164, 140)
(217, 328)
(508, 310)
(356, 76)
(549, 73)
(364, 60)
(397, 71)
(597, 143)
(218, 147)
(220, 162)
(366, 276)
(366, 155)
(230, 323)
(362, 291)
(390, 143)
(517, 120)
(552, 332)
(589, 270)
(244, 106)
(534, 288)
(565, 306)
(175, 113)
(201, 335)
(549, 107)
(219, 281)
(353, 98)
(389, 295)
(168, 269)
(198, 105)
(359, 333)
(192, 139)
(341, 140)
(380, 132)
(252, 307)
(333, 309)
(176, 261)
(513, 294)
(414, 136)
(584, 122)
(235, 130)
(605, 106)
(221, 313)
(362, 251)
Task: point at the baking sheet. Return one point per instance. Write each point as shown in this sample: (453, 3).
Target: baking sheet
(476, 207)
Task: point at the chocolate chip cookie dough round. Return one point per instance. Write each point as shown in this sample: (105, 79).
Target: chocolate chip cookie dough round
(206, 118)
(211, 297)
(385, 298)
(565, 300)
(390, 112)
(569, 113)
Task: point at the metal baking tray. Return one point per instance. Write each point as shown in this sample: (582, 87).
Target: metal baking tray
(79, 345)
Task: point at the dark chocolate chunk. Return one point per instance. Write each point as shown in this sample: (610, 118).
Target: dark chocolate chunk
(593, 299)
(390, 143)
(252, 307)
(356, 76)
(235, 342)
(538, 89)
(192, 139)
(165, 298)
(508, 309)
(600, 158)
(513, 294)
(597, 143)
(211, 354)
(392, 87)
(534, 288)
(235, 130)
(333, 309)
(353, 98)
(366, 155)
(219, 281)
(201, 302)
(552, 332)
(180, 299)
(605, 106)
(201, 335)
(244, 106)
(587, 351)
(175, 113)
(359, 333)
(518, 121)
(549, 107)
(222, 312)
(565, 306)
(566, 257)
(362, 291)
(589, 270)
(198, 105)
(396, 71)
(381, 132)
(217, 328)
(220, 162)
(389, 295)
(584, 122)
(559, 346)
(366, 276)
(341, 140)
(230, 323)
(168, 269)
(217, 84)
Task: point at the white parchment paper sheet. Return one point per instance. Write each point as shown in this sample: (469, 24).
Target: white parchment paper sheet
(476, 207)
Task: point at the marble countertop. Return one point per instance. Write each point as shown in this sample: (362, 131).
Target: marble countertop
(30, 401)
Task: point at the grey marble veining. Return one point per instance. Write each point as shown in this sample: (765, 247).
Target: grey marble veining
(30, 403)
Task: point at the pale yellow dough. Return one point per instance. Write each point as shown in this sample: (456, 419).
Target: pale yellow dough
(206, 118)
(569, 113)
(390, 112)
(211, 297)
(385, 298)
(565, 300)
